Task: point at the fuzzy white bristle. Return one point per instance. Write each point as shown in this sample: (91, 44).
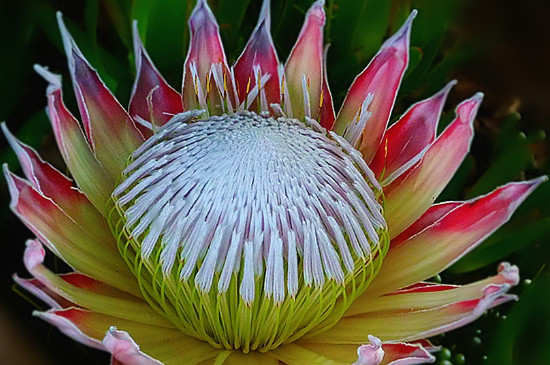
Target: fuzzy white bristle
(252, 193)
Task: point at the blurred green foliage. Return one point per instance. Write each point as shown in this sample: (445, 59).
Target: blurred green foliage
(502, 152)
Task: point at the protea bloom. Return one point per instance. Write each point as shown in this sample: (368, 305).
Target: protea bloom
(243, 221)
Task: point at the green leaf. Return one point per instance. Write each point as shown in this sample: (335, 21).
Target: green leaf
(166, 36)
(523, 337)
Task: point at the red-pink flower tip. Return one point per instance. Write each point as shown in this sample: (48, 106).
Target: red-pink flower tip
(403, 35)
(370, 354)
(467, 110)
(510, 273)
(34, 254)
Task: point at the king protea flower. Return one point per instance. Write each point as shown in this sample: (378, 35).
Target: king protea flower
(242, 220)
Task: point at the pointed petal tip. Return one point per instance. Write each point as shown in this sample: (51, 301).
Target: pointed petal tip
(53, 79)
(73, 53)
(403, 34)
(522, 189)
(265, 14)
(317, 7)
(7, 174)
(65, 321)
(444, 92)
(317, 10)
(59, 17)
(138, 45)
(467, 110)
(447, 88)
(6, 132)
(406, 27)
(14, 143)
(135, 35)
(42, 293)
(526, 188)
(478, 97)
(71, 49)
(65, 35)
(537, 181)
(12, 186)
(198, 13)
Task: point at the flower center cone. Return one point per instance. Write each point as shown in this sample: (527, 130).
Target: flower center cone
(246, 231)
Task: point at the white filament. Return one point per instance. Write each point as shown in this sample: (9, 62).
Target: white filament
(251, 193)
(357, 126)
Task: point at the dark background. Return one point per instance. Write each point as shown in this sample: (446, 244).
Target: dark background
(499, 47)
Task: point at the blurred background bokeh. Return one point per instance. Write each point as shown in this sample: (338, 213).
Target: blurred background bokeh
(499, 47)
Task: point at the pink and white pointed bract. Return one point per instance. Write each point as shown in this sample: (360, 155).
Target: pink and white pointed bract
(381, 78)
(258, 59)
(410, 136)
(427, 178)
(438, 240)
(102, 115)
(88, 172)
(206, 72)
(304, 68)
(202, 227)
